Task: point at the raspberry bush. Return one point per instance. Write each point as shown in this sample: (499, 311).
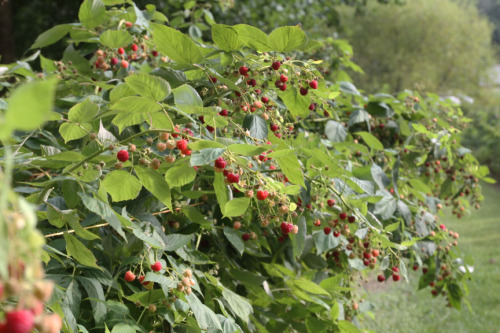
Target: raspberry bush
(229, 185)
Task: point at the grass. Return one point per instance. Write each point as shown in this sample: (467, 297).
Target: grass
(401, 308)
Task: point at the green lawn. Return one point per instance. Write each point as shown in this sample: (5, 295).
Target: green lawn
(401, 308)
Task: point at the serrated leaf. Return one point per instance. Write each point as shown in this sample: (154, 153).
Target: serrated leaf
(247, 150)
(221, 191)
(256, 125)
(180, 175)
(104, 211)
(96, 295)
(71, 131)
(324, 242)
(149, 86)
(116, 38)
(226, 37)
(310, 287)
(236, 207)
(286, 39)
(177, 46)
(51, 36)
(121, 185)
(335, 131)
(379, 176)
(253, 38)
(206, 156)
(358, 116)
(83, 112)
(79, 252)
(297, 104)
(234, 239)
(176, 241)
(92, 13)
(240, 305)
(371, 141)
(155, 184)
(136, 105)
(299, 239)
(289, 164)
(187, 99)
(205, 317)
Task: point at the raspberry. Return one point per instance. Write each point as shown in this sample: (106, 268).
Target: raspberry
(312, 107)
(243, 70)
(129, 276)
(286, 228)
(124, 63)
(182, 145)
(276, 65)
(220, 163)
(303, 91)
(351, 219)
(381, 278)
(283, 78)
(114, 61)
(245, 237)
(134, 47)
(121, 50)
(274, 127)
(186, 152)
(342, 216)
(20, 321)
(327, 230)
(396, 277)
(233, 178)
(223, 113)
(154, 53)
(213, 79)
(156, 266)
(122, 156)
(313, 84)
(265, 100)
(129, 24)
(262, 195)
(331, 202)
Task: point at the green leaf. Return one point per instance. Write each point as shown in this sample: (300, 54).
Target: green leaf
(205, 317)
(226, 37)
(335, 131)
(187, 99)
(123, 328)
(310, 287)
(299, 240)
(348, 88)
(286, 39)
(297, 104)
(419, 186)
(379, 176)
(235, 239)
(71, 131)
(176, 241)
(79, 252)
(236, 207)
(104, 211)
(121, 185)
(206, 156)
(155, 184)
(358, 116)
(96, 294)
(247, 150)
(256, 125)
(240, 306)
(125, 119)
(149, 86)
(253, 38)
(202, 144)
(177, 46)
(83, 112)
(51, 36)
(146, 238)
(116, 38)
(289, 164)
(180, 175)
(147, 297)
(347, 327)
(221, 191)
(371, 141)
(92, 13)
(324, 242)
(29, 107)
(136, 105)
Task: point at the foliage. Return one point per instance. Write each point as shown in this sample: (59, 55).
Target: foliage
(242, 189)
(442, 46)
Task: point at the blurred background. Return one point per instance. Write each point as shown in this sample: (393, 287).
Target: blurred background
(447, 47)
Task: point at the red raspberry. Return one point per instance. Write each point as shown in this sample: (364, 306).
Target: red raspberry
(395, 269)
(210, 128)
(276, 65)
(286, 228)
(351, 219)
(265, 100)
(331, 202)
(129, 24)
(245, 237)
(313, 84)
(381, 278)
(243, 70)
(122, 156)
(252, 82)
(233, 178)
(262, 195)
(134, 47)
(223, 113)
(396, 277)
(220, 163)
(213, 79)
(336, 233)
(304, 91)
(327, 230)
(181, 145)
(124, 63)
(312, 107)
(282, 87)
(114, 61)
(274, 127)
(129, 276)
(342, 216)
(154, 53)
(121, 50)
(156, 266)
(283, 78)
(19, 321)
(262, 157)
(186, 152)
